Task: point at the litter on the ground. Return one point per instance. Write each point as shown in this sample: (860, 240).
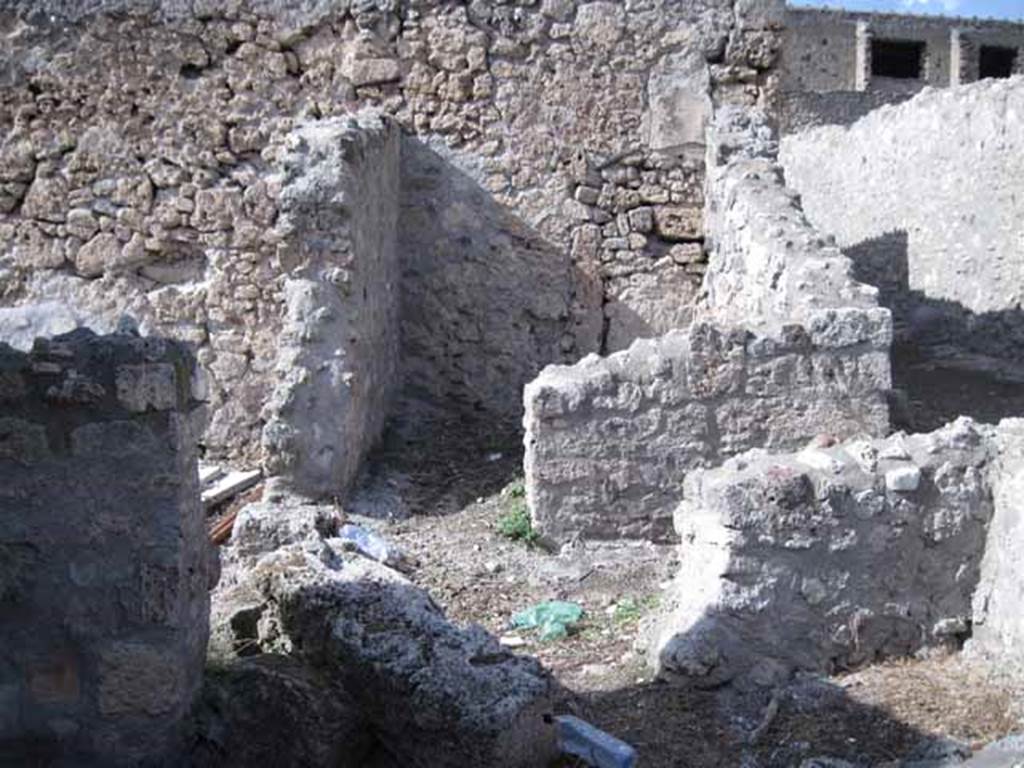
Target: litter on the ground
(373, 546)
(208, 473)
(230, 485)
(553, 618)
(511, 641)
(598, 749)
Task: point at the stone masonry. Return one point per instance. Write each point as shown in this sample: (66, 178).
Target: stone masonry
(787, 346)
(105, 565)
(829, 558)
(946, 253)
(337, 367)
(144, 145)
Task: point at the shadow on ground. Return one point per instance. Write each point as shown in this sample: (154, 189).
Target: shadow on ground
(947, 360)
(684, 727)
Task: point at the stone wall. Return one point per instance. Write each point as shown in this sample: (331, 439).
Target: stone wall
(932, 183)
(998, 626)
(827, 559)
(770, 266)
(610, 441)
(104, 559)
(337, 368)
(787, 346)
(555, 170)
(823, 50)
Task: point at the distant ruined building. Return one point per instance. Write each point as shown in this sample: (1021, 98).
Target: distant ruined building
(835, 66)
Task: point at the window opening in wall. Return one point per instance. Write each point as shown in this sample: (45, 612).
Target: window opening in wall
(901, 59)
(995, 61)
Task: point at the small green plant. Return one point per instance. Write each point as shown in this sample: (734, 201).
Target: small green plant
(629, 610)
(515, 523)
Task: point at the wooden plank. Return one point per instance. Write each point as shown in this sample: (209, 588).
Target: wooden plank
(230, 485)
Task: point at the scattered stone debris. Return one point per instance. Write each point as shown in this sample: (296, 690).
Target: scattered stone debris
(433, 694)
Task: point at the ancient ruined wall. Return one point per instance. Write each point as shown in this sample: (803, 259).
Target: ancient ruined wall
(609, 442)
(769, 267)
(998, 627)
(933, 183)
(787, 346)
(104, 557)
(826, 75)
(550, 176)
(337, 369)
(829, 558)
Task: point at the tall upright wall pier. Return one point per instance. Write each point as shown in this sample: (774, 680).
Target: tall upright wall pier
(105, 564)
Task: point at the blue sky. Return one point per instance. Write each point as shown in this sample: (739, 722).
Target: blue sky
(997, 9)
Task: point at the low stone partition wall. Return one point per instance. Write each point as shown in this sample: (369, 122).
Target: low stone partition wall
(769, 266)
(104, 559)
(787, 346)
(284, 278)
(828, 558)
(609, 441)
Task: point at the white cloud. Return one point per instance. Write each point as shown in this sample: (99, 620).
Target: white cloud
(946, 6)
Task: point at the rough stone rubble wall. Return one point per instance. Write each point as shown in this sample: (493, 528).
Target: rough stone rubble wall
(770, 267)
(928, 192)
(337, 366)
(998, 615)
(104, 558)
(832, 557)
(140, 151)
(787, 346)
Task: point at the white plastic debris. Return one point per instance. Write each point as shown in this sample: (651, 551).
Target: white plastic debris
(373, 546)
(230, 485)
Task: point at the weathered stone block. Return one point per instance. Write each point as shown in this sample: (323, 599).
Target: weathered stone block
(673, 222)
(136, 679)
(812, 562)
(105, 560)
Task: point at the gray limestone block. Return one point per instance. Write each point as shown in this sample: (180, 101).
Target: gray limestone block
(812, 561)
(437, 695)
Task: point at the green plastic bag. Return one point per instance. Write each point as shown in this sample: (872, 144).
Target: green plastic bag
(553, 619)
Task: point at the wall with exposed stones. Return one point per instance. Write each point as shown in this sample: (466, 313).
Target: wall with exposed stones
(924, 196)
(104, 560)
(787, 346)
(998, 606)
(609, 441)
(826, 68)
(770, 266)
(337, 366)
(829, 558)
(554, 176)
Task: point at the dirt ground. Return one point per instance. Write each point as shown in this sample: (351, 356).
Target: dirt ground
(441, 494)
